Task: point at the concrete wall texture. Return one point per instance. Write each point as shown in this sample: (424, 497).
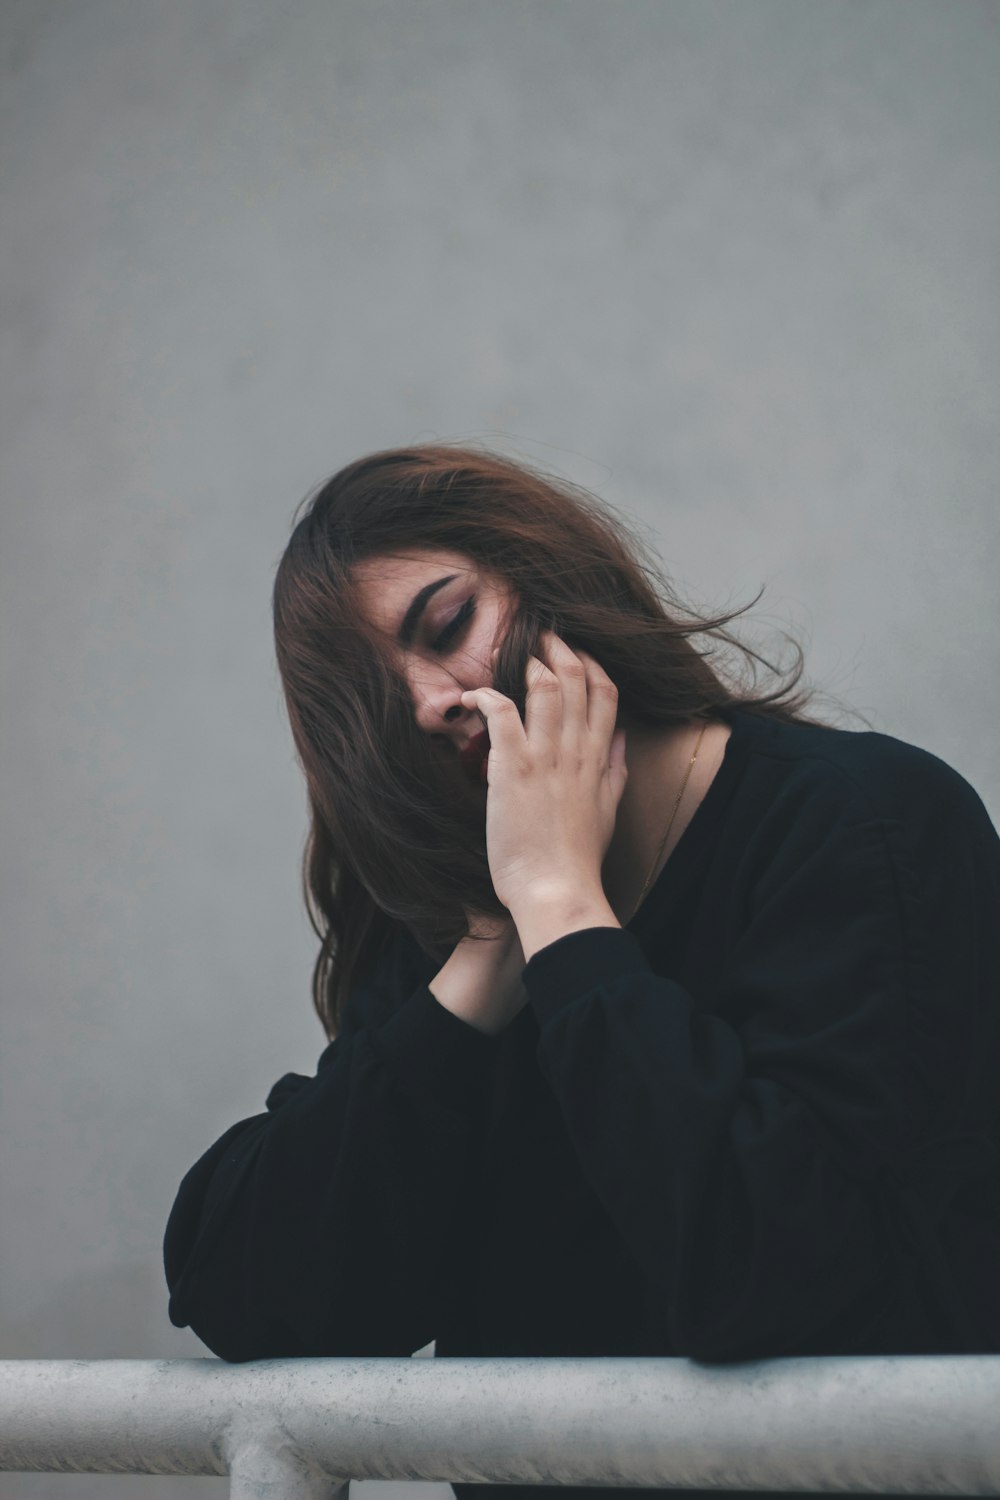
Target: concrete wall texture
(732, 264)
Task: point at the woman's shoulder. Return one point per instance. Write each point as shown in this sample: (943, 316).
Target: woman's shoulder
(861, 775)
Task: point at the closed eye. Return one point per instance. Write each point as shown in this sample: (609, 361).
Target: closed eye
(454, 625)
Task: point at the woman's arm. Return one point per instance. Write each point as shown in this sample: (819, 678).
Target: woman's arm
(481, 983)
(763, 1146)
(749, 1142)
(733, 1138)
(326, 1225)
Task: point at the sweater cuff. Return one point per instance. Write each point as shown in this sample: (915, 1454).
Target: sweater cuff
(578, 963)
(435, 1055)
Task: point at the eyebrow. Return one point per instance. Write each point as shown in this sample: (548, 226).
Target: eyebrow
(410, 620)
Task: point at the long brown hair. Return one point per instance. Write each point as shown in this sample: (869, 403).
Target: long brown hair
(397, 832)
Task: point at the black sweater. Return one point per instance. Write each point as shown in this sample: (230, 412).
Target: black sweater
(760, 1120)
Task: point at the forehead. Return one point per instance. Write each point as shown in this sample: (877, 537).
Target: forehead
(386, 584)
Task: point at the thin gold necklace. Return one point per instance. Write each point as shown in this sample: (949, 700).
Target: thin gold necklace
(673, 815)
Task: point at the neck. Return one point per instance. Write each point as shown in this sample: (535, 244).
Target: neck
(658, 760)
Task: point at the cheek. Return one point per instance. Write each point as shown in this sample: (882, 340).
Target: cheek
(484, 673)
(494, 634)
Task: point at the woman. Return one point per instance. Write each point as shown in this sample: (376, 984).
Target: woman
(664, 1017)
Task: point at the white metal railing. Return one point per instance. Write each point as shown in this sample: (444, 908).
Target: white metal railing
(297, 1429)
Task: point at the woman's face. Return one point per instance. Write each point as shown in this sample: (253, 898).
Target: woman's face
(442, 615)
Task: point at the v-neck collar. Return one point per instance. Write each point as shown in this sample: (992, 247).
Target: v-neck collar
(695, 843)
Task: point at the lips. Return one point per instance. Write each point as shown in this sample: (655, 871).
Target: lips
(474, 756)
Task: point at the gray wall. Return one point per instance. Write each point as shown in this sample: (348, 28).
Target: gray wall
(730, 263)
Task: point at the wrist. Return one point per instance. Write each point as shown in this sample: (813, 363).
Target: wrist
(555, 912)
(481, 982)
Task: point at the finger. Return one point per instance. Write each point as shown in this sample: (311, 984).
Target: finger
(503, 722)
(617, 764)
(572, 677)
(543, 707)
(602, 698)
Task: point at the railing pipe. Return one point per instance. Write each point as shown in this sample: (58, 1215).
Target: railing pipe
(297, 1428)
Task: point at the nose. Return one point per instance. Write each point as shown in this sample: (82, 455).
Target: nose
(437, 702)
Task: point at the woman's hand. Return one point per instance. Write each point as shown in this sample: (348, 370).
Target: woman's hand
(555, 782)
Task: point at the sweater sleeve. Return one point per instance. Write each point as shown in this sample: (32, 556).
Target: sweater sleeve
(740, 1139)
(319, 1227)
